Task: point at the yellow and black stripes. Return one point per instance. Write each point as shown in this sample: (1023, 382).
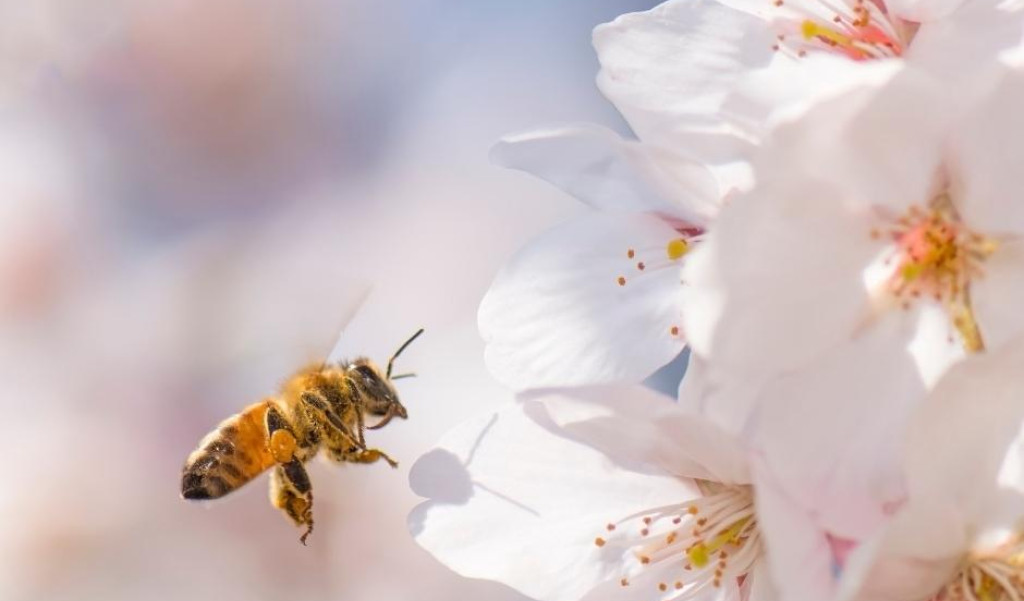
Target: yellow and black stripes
(233, 454)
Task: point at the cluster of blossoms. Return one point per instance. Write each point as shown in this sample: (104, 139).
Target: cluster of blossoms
(824, 202)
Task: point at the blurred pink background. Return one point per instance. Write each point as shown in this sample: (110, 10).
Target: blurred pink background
(193, 194)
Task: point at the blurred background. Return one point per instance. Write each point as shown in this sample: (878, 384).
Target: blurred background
(195, 196)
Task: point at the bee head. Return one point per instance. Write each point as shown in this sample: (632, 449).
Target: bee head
(381, 398)
(379, 395)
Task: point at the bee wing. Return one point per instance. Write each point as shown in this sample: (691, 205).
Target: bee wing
(267, 314)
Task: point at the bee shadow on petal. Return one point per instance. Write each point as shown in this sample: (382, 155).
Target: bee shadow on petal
(444, 479)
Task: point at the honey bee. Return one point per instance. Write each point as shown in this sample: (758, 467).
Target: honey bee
(322, 406)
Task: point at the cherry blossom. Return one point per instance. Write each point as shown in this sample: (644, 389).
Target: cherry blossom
(742, 66)
(960, 534)
(595, 493)
(597, 299)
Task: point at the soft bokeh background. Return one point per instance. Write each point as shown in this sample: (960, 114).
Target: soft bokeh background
(193, 196)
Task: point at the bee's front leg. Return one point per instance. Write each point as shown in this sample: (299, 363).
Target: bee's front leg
(291, 492)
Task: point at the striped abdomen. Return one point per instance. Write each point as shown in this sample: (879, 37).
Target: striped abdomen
(228, 457)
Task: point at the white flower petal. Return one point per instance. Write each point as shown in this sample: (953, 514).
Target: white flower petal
(674, 63)
(726, 402)
(798, 554)
(1011, 472)
(955, 50)
(787, 89)
(910, 560)
(595, 165)
(998, 295)
(514, 501)
(779, 265)
(785, 262)
(989, 151)
(935, 345)
(761, 585)
(556, 315)
(923, 11)
(635, 425)
(959, 440)
(877, 141)
(831, 433)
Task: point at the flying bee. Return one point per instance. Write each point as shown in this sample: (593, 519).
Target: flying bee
(323, 406)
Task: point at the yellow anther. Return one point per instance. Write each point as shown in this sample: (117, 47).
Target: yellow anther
(987, 246)
(912, 271)
(811, 30)
(677, 248)
(699, 555)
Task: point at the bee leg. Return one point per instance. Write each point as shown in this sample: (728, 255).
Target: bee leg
(333, 419)
(361, 425)
(370, 456)
(291, 492)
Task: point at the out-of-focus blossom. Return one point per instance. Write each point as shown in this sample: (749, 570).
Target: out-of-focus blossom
(879, 262)
(700, 86)
(741, 66)
(595, 493)
(39, 209)
(960, 534)
(848, 233)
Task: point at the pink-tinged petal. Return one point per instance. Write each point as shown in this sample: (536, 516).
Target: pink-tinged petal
(831, 433)
(777, 280)
(797, 551)
(573, 307)
(787, 89)
(877, 141)
(785, 262)
(998, 295)
(987, 153)
(1011, 472)
(669, 66)
(910, 560)
(595, 165)
(636, 425)
(958, 441)
(953, 49)
(924, 11)
(514, 500)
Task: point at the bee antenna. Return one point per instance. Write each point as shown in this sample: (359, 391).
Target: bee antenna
(391, 361)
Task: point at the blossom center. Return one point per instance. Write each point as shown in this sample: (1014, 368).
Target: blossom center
(994, 576)
(702, 542)
(859, 30)
(933, 254)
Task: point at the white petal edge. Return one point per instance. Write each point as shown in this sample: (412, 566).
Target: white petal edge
(595, 165)
(635, 425)
(556, 315)
(673, 64)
